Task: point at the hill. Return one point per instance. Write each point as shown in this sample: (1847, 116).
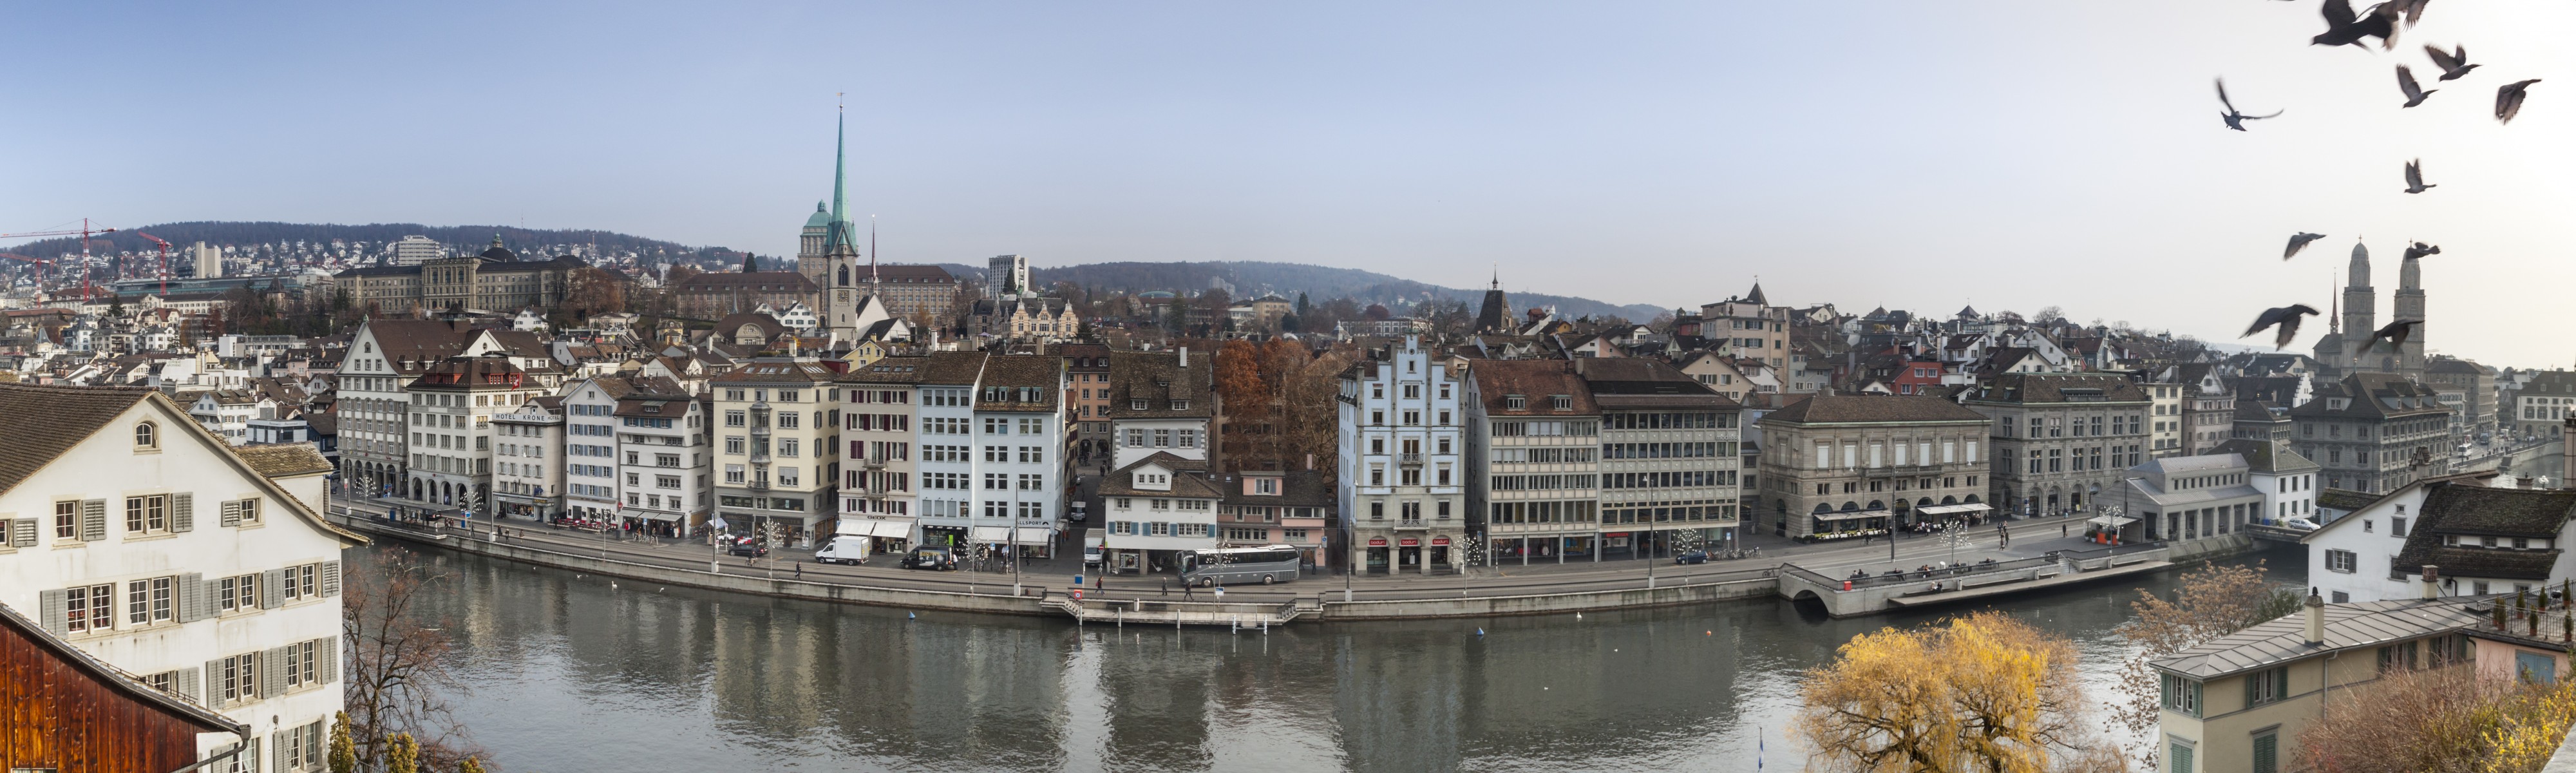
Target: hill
(1250, 278)
(466, 238)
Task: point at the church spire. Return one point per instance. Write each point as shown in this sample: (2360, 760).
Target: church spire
(837, 236)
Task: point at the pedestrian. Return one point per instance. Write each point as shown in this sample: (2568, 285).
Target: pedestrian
(2061, 530)
(800, 567)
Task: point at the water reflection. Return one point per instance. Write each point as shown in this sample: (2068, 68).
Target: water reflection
(573, 675)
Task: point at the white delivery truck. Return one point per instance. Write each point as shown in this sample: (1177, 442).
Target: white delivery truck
(848, 545)
(1091, 547)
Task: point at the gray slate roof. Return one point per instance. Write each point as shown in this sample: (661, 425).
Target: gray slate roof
(2347, 626)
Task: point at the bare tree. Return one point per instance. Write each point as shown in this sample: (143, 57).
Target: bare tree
(398, 671)
(2437, 720)
(2213, 601)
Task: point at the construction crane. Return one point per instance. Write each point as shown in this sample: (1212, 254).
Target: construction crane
(165, 260)
(85, 232)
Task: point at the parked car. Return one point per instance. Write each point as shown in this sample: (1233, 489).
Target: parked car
(2299, 524)
(1081, 510)
(1692, 557)
(746, 546)
(936, 559)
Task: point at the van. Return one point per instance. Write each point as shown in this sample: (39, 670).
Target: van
(842, 550)
(1092, 554)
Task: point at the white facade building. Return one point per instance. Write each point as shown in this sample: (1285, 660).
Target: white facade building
(1401, 423)
(663, 458)
(589, 458)
(416, 250)
(528, 467)
(137, 536)
(1158, 505)
(1160, 403)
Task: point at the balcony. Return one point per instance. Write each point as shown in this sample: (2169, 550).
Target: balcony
(759, 457)
(757, 484)
(1409, 460)
(1416, 524)
(760, 429)
(873, 462)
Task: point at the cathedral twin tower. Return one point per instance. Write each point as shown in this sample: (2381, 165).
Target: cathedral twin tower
(2346, 349)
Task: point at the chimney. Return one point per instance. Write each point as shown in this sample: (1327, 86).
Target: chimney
(1185, 356)
(1310, 462)
(2432, 581)
(2522, 482)
(2316, 618)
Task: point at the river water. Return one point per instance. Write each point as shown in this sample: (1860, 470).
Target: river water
(571, 675)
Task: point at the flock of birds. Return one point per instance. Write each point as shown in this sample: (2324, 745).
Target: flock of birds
(2346, 28)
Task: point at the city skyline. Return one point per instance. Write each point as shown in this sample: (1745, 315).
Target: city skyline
(1912, 158)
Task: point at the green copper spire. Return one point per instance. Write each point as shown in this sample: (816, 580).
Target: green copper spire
(837, 238)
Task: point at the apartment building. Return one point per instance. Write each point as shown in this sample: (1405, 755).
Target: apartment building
(1534, 456)
(779, 449)
(1263, 507)
(589, 458)
(2374, 432)
(528, 466)
(663, 457)
(1837, 466)
(1087, 394)
(2164, 418)
(1155, 507)
(452, 405)
(1669, 474)
(2061, 440)
(1020, 467)
(374, 411)
(878, 413)
(1161, 402)
(238, 610)
(1403, 461)
(946, 453)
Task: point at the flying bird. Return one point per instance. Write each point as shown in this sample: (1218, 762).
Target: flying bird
(2415, 177)
(2406, 84)
(2236, 120)
(2421, 249)
(2454, 64)
(2395, 334)
(2345, 28)
(2287, 318)
(2299, 241)
(2413, 9)
(2509, 99)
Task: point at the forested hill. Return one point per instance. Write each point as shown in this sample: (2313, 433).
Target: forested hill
(466, 238)
(1251, 278)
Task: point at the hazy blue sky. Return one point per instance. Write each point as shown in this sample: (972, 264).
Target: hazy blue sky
(1916, 155)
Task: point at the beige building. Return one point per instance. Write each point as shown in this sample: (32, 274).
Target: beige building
(1748, 327)
(1534, 454)
(776, 448)
(494, 280)
(2061, 440)
(1848, 464)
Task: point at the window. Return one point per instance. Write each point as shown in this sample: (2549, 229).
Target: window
(2182, 696)
(237, 594)
(236, 679)
(147, 514)
(297, 581)
(2267, 752)
(2267, 685)
(149, 601)
(2340, 561)
(2396, 526)
(90, 608)
(67, 519)
(147, 437)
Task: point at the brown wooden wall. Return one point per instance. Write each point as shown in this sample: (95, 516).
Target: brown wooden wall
(56, 714)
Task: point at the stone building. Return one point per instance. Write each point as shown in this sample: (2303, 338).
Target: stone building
(2060, 440)
(1533, 461)
(1668, 456)
(714, 295)
(1835, 464)
(2374, 432)
(495, 280)
(2543, 403)
(777, 448)
(2469, 390)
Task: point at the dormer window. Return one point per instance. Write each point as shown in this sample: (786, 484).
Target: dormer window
(1561, 402)
(1180, 405)
(147, 437)
(1137, 404)
(1515, 402)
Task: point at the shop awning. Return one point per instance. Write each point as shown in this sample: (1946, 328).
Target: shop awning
(1031, 535)
(2111, 521)
(990, 534)
(1848, 515)
(1952, 509)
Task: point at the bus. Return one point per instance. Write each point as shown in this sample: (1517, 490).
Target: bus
(1229, 566)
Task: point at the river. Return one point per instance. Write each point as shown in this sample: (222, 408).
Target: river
(570, 674)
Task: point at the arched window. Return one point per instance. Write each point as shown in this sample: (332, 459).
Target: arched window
(146, 436)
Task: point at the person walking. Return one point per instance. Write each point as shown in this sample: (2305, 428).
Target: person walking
(2061, 530)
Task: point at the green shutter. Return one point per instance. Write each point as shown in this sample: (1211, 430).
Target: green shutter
(2181, 758)
(2267, 753)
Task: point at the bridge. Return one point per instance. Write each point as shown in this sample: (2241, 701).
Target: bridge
(2273, 534)
(1848, 597)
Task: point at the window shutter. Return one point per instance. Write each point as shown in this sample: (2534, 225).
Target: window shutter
(2181, 758)
(277, 745)
(330, 583)
(56, 610)
(194, 603)
(272, 589)
(272, 672)
(183, 512)
(2253, 686)
(328, 652)
(231, 513)
(2267, 753)
(22, 533)
(188, 679)
(215, 684)
(93, 520)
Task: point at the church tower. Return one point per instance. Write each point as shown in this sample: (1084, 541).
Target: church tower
(2360, 313)
(2410, 305)
(809, 243)
(840, 247)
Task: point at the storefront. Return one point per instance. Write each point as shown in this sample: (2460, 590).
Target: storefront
(1849, 524)
(878, 536)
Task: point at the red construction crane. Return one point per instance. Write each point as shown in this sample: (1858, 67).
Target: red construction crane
(85, 232)
(165, 260)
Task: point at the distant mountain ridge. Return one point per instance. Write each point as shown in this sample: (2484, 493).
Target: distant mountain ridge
(468, 238)
(1320, 283)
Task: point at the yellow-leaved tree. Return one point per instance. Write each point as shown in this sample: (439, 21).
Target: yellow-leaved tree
(1983, 692)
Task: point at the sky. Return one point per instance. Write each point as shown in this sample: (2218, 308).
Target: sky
(2012, 155)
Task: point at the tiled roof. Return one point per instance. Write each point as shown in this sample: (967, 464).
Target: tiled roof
(284, 459)
(2028, 388)
(2372, 395)
(777, 371)
(1188, 479)
(1158, 379)
(764, 281)
(1632, 383)
(888, 370)
(1298, 488)
(2347, 626)
(1015, 371)
(43, 422)
(2503, 512)
(2270, 457)
(953, 368)
(2344, 499)
(1538, 381)
(1868, 409)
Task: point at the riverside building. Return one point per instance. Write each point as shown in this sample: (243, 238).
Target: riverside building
(452, 405)
(1403, 491)
(878, 409)
(778, 448)
(662, 458)
(528, 470)
(1668, 456)
(2061, 440)
(1841, 465)
(1534, 450)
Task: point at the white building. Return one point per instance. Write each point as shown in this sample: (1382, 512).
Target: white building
(663, 458)
(207, 259)
(1160, 504)
(383, 357)
(415, 250)
(227, 412)
(2481, 539)
(452, 405)
(1160, 403)
(528, 466)
(589, 458)
(1020, 426)
(237, 607)
(945, 453)
(1400, 415)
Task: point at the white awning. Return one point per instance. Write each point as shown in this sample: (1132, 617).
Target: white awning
(1032, 535)
(2111, 521)
(1952, 509)
(850, 528)
(890, 529)
(1846, 515)
(990, 534)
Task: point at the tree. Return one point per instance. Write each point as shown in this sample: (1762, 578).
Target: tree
(398, 662)
(594, 290)
(402, 754)
(750, 264)
(344, 752)
(679, 273)
(2213, 601)
(1308, 423)
(2445, 718)
(1247, 400)
(1984, 692)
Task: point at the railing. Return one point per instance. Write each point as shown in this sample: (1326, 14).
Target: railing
(1411, 459)
(1412, 523)
(873, 461)
(1969, 570)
